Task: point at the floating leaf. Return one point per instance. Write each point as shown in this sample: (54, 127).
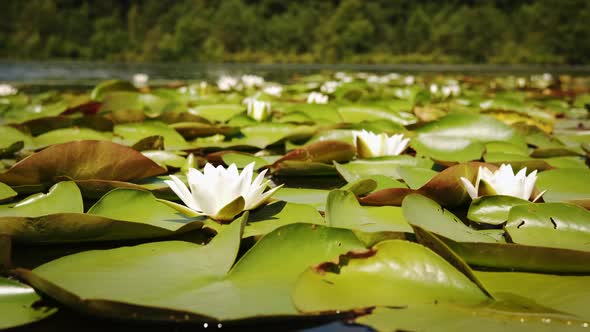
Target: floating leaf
(344, 211)
(555, 225)
(18, 304)
(98, 281)
(493, 209)
(393, 273)
(426, 213)
(81, 160)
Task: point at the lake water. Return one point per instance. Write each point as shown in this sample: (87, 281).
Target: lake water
(67, 73)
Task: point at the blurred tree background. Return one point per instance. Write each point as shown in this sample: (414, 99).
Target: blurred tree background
(303, 31)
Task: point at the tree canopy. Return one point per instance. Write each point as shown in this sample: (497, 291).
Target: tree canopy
(355, 31)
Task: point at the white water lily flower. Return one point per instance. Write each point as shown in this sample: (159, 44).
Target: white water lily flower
(140, 80)
(371, 145)
(409, 80)
(343, 77)
(433, 88)
(329, 86)
(7, 90)
(273, 90)
(374, 79)
(251, 81)
(317, 98)
(258, 109)
(222, 193)
(502, 182)
(227, 83)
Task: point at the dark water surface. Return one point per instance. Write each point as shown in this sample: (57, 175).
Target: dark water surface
(89, 73)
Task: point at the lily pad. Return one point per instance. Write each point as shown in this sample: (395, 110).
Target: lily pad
(392, 273)
(426, 213)
(387, 166)
(98, 281)
(18, 304)
(81, 160)
(556, 225)
(344, 211)
(314, 197)
(272, 216)
(63, 197)
(493, 209)
(484, 318)
(565, 185)
(134, 132)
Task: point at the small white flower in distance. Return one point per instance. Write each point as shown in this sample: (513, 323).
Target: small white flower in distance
(371, 145)
(317, 98)
(7, 90)
(502, 182)
(273, 90)
(343, 77)
(140, 80)
(409, 80)
(252, 81)
(227, 83)
(258, 109)
(222, 193)
(329, 87)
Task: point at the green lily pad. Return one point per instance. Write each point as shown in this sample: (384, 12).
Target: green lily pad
(272, 216)
(68, 135)
(344, 211)
(493, 209)
(555, 225)
(198, 291)
(165, 158)
(388, 166)
(58, 217)
(18, 304)
(461, 137)
(565, 185)
(353, 114)
(567, 294)
(242, 160)
(6, 192)
(110, 86)
(134, 132)
(10, 136)
(218, 112)
(484, 318)
(63, 197)
(314, 197)
(392, 273)
(426, 213)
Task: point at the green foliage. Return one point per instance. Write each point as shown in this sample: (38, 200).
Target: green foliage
(547, 31)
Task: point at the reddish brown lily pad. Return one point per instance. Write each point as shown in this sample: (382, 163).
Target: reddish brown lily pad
(82, 160)
(445, 188)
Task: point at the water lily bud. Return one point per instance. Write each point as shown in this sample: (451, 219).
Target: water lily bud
(258, 109)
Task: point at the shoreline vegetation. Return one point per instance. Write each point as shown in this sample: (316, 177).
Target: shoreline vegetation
(270, 31)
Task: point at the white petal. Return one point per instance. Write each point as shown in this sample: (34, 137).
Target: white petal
(529, 184)
(471, 190)
(182, 192)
